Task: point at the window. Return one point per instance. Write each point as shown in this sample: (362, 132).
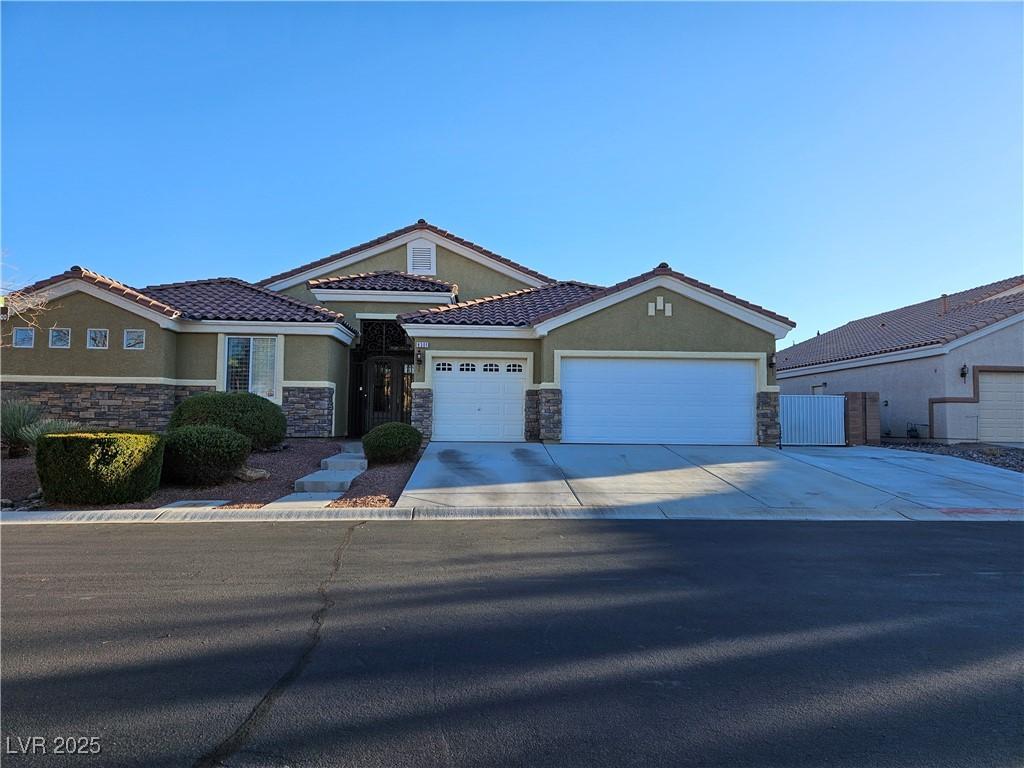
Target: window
(24, 338)
(421, 257)
(514, 368)
(96, 338)
(492, 368)
(60, 338)
(251, 365)
(134, 338)
(442, 366)
(467, 367)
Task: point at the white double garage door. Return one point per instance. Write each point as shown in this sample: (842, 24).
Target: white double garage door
(604, 400)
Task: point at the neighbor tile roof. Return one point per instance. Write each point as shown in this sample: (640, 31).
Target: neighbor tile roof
(917, 325)
(419, 225)
(220, 298)
(518, 308)
(535, 305)
(390, 280)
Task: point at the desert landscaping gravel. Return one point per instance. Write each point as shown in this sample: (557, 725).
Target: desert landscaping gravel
(995, 455)
(378, 486)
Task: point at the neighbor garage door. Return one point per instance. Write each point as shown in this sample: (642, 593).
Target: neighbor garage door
(647, 400)
(479, 399)
(1001, 407)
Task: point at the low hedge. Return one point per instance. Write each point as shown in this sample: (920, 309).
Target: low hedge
(99, 467)
(257, 418)
(391, 442)
(203, 454)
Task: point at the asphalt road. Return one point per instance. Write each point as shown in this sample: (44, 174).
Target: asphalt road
(529, 643)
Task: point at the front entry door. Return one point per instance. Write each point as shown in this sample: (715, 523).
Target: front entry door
(387, 390)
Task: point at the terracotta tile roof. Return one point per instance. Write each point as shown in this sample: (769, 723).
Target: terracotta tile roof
(220, 298)
(419, 225)
(228, 298)
(535, 305)
(917, 325)
(390, 280)
(518, 308)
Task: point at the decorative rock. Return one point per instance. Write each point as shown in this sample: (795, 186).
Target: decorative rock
(5, 503)
(248, 474)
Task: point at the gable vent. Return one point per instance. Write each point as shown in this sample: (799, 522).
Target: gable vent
(422, 257)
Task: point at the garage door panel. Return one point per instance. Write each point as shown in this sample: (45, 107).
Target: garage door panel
(479, 404)
(637, 400)
(1001, 407)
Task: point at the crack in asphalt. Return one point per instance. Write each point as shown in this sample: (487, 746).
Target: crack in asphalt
(241, 735)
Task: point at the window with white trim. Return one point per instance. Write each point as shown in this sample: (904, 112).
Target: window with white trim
(24, 338)
(467, 367)
(252, 365)
(60, 338)
(442, 366)
(514, 368)
(421, 257)
(135, 338)
(492, 368)
(97, 338)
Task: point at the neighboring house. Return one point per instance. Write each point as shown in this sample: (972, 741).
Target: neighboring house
(419, 326)
(950, 368)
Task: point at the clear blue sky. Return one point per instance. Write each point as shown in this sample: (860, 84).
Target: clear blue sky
(826, 161)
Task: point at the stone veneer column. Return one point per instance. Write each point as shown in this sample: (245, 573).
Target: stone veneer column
(309, 410)
(423, 411)
(768, 429)
(550, 408)
(532, 416)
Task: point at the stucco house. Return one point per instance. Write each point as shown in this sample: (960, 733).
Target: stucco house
(417, 325)
(949, 369)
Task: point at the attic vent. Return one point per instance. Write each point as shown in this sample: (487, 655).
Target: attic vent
(422, 257)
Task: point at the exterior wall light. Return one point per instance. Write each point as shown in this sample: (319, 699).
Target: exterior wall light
(963, 372)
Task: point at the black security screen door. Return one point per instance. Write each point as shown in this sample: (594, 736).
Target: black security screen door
(381, 376)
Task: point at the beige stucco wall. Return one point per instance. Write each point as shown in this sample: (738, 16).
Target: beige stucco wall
(197, 356)
(693, 327)
(320, 358)
(904, 387)
(474, 280)
(79, 312)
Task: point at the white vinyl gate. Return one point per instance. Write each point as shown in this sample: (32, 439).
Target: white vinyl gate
(812, 419)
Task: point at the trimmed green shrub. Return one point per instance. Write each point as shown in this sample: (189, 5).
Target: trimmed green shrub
(203, 454)
(21, 425)
(391, 442)
(255, 417)
(99, 467)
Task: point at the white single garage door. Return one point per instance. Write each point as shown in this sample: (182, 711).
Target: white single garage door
(650, 400)
(1001, 407)
(479, 399)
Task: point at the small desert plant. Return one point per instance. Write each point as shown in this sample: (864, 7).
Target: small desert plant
(21, 425)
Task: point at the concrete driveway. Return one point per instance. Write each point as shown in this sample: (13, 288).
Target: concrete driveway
(685, 480)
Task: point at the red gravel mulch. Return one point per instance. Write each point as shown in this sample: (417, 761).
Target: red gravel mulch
(996, 455)
(300, 457)
(378, 486)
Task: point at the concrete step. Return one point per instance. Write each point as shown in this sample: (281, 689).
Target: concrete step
(326, 480)
(353, 446)
(344, 461)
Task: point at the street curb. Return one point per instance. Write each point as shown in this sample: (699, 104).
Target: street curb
(434, 514)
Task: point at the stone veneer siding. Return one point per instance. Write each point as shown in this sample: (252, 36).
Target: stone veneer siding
(532, 415)
(107, 406)
(423, 411)
(768, 429)
(549, 406)
(309, 410)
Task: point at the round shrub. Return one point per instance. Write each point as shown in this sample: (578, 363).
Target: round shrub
(203, 454)
(99, 467)
(391, 442)
(255, 417)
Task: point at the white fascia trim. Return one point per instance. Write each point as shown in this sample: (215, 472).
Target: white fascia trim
(455, 354)
(310, 384)
(759, 358)
(81, 286)
(376, 315)
(748, 316)
(416, 234)
(932, 350)
(47, 379)
(409, 297)
(431, 331)
(259, 328)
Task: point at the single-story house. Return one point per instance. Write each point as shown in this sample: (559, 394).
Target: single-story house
(949, 369)
(417, 325)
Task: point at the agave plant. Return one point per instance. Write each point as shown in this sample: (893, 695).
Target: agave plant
(21, 425)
